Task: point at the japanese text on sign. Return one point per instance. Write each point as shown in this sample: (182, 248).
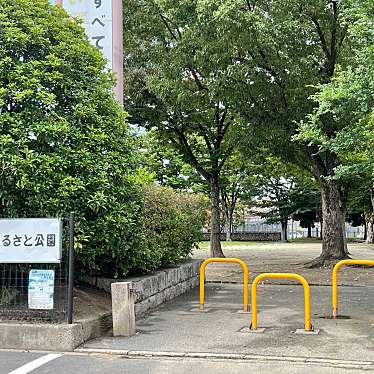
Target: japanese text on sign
(41, 289)
(33, 240)
(98, 22)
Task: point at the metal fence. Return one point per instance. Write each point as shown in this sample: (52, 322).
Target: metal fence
(14, 287)
(294, 230)
(14, 283)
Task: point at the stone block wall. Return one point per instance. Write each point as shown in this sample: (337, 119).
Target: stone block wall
(152, 290)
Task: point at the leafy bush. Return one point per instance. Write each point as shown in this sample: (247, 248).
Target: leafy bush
(170, 225)
(65, 145)
(173, 222)
(64, 141)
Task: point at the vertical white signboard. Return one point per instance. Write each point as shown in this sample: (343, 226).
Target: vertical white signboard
(102, 20)
(98, 22)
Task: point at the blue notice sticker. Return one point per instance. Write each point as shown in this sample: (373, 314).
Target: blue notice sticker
(41, 289)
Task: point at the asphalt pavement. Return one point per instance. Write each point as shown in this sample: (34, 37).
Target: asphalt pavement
(72, 364)
(179, 327)
(178, 339)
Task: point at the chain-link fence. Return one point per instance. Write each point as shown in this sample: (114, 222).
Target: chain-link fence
(16, 299)
(14, 292)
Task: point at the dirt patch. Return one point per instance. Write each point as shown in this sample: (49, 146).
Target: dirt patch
(90, 302)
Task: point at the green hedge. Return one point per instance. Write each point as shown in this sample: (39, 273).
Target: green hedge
(173, 223)
(170, 225)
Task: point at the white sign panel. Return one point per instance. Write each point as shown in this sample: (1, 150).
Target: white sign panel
(30, 240)
(98, 22)
(41, 289)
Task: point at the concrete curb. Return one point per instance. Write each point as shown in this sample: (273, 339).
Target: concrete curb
(345, 364)
(52, 337)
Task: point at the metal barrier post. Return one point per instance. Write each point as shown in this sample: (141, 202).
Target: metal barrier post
(225, 260)
(302, 280)
(71, 268)
(335, 280)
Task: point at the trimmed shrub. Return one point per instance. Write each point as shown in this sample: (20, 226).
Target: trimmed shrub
(173, 223)
(170, 225)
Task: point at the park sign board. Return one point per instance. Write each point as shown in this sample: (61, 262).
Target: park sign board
(98, 23)
(31, 240)
(102, 20)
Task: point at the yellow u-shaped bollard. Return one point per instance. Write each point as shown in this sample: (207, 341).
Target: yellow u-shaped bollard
(225, 260)
(335, 280)
(302, 280)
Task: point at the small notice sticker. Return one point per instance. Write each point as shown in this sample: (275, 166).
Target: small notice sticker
(41, 289)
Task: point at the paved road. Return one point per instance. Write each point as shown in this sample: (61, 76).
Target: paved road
(20, 363)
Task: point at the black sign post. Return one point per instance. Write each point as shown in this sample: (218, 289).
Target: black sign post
(71, 267)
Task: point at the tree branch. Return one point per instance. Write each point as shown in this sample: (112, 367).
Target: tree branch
(206, 139)
(187, 151)
(164, 20)
(319, 167)
(321, 35)
(198, 82)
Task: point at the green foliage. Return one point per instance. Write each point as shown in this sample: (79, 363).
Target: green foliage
(65, 145)
(167, 166)
(174, 82)
(172, 225)
(282, 192)
(348, 101)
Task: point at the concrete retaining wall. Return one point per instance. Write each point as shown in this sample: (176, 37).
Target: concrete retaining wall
(52, 337)
(152, 290)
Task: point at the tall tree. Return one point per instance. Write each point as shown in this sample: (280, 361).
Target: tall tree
(174, 87)
(279, 51)
(347, 103)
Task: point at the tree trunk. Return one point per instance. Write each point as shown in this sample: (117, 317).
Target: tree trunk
(369, 222)
(215, 240)
(309, 231)
(284, 236)
(334, 243)
(369, 218)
